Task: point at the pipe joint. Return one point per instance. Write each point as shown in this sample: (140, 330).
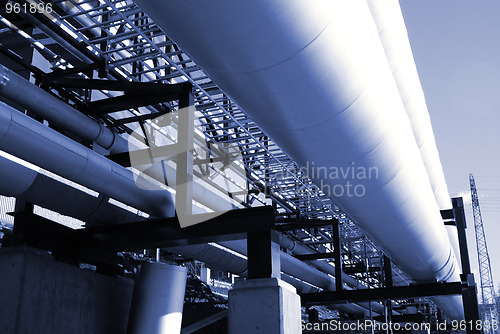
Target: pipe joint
(100, 140)
(4, 78)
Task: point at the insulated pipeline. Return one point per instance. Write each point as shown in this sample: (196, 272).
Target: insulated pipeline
(392, 30)
(317, 80)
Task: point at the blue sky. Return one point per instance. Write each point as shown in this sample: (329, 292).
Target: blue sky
(456, 46)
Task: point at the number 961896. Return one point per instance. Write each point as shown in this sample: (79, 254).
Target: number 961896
(31, 7)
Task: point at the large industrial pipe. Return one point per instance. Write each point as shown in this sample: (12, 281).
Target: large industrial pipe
(158, 300)
(29, 185)
(17, 89)
(317, 80)
(392, 31)
(34, 142)
(393, 34)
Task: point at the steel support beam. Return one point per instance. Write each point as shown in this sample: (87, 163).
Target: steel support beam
(124, 102)
(379, 294)
(469, 296)
(174, 90)
(459, 213)
(136, 94)
(471, 307)
(447, 214)
(154, 233)
(204, 323)
(290, 224)
(123, 159)
(388, 272)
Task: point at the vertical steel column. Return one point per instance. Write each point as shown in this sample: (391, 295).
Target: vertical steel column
(471, 309)
(263, 252)
(17, 237)
(387, 272)
(388, 284)
(313, 315)
(22, 206)
(469, 293)
(184, 171)
(337, 255)
(459, 213)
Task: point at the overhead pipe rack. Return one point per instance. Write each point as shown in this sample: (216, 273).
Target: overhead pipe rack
(304, 198)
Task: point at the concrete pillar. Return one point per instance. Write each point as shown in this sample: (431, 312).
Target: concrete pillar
(39, 295)
(264, 305)
(205, 275)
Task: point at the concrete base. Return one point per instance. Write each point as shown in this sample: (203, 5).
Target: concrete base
(40, 295)
(269, 306)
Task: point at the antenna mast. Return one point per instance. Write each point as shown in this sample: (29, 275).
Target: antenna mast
(488, 307)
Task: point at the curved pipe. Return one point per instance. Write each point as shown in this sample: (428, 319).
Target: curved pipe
(301, 286)
(316, 79)
(33, 187)
(201, 193)
(34, 142)
(214, 257)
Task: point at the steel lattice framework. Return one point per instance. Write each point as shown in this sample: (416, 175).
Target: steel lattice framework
(488, 300)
